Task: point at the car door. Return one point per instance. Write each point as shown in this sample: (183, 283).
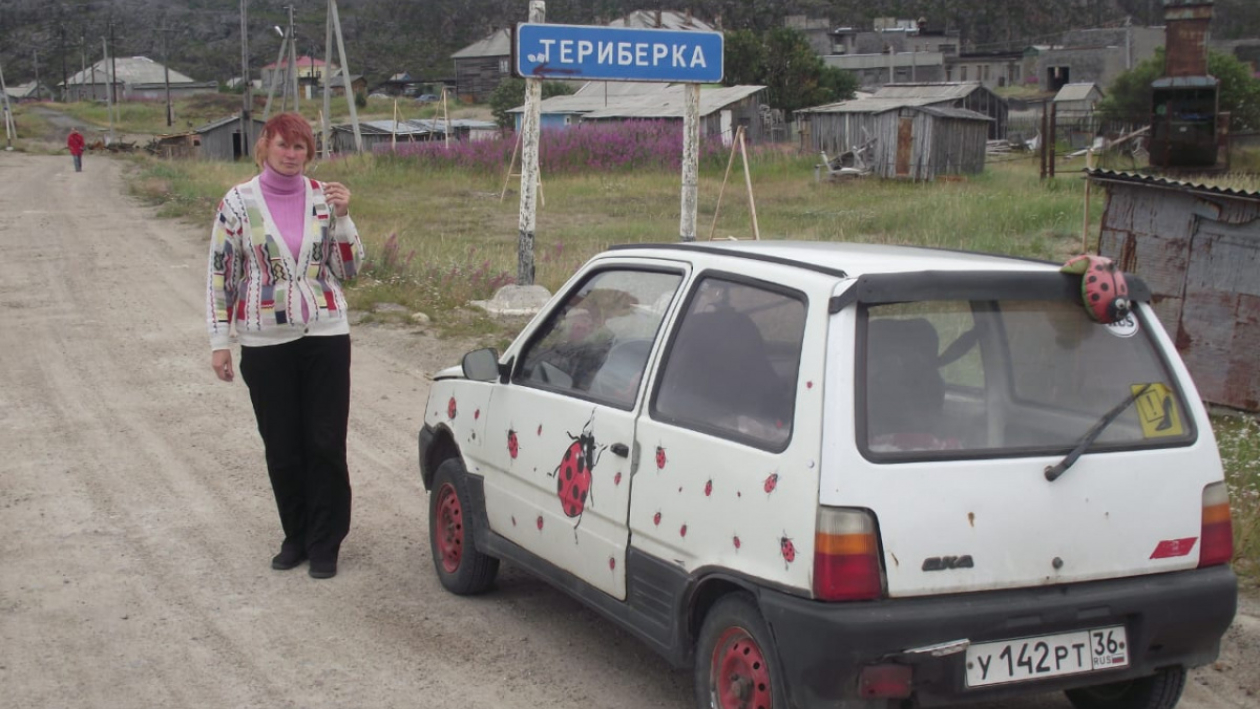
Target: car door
(558, 480)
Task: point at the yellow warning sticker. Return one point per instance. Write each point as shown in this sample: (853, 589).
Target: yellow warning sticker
(1157, 410)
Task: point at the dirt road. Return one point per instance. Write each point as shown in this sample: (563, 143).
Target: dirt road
(136, 521)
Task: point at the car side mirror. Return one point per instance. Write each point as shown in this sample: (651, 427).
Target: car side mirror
(481, 365)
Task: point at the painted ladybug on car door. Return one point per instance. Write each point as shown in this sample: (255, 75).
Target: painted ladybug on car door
(573, 475)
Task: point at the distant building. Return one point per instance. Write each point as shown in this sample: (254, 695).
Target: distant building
(1077, 99)
(1096, 55)
(310, 73)
(902, 138)
(222, 139)
(30, 91)
(722, 109)
(895, 51)
(137, 79)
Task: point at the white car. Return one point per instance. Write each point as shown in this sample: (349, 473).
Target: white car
(837, 475)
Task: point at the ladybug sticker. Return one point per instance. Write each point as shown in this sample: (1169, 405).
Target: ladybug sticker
(617, 478)
(772, 481)
(708, 488)
(788, 549)
(476, 414)
(656, 518)
(451, 410)
(660, 458)
(514, 446)
(682, 532)
(735, 541)
(573, 474)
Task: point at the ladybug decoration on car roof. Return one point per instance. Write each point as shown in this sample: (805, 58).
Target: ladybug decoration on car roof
(1103, 288)
(573, 475)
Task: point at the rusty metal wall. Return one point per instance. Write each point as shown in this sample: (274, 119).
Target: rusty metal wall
(1200, 255)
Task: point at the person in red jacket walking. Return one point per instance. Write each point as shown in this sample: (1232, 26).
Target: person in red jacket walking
(75, 144)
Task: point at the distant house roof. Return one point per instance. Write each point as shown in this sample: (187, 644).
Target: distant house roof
(416, 126)
(30, 89)
(130, 70)
(666, 101)
(339, 79)
(1077, 92)
(882, 105)
(301, 62)
(222, 122)
(496, 45)
(939, 91)
(669, 20)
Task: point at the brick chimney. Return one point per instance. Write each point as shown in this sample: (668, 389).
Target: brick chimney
(1186, 36)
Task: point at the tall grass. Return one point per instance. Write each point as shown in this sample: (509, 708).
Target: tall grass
(1238, 438)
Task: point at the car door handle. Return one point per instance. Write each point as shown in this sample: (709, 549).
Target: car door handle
(620, 449)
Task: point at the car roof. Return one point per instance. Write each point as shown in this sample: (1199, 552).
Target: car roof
(848, 259)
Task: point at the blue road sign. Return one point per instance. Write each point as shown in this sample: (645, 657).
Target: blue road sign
(546, 51)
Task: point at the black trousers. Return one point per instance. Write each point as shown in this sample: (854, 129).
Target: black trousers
(301, 396)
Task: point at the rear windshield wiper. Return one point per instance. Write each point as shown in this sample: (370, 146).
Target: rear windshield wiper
(1054, 471)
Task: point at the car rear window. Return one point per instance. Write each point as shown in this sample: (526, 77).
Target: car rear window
(953, 379)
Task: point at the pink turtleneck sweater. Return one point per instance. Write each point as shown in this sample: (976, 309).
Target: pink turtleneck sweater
(286, 200)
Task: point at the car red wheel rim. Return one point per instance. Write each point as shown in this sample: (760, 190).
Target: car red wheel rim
(740, 677)
(450, 529)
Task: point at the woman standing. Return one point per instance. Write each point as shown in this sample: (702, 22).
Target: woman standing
(281, 243)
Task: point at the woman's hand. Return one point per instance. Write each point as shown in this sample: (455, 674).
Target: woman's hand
(338, 195)
(221, 362)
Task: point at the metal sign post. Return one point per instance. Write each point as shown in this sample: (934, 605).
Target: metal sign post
(620, 54)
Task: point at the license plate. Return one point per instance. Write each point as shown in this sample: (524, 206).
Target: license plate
(1047, 656)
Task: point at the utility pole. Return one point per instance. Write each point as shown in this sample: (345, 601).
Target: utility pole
(271, 84)
(35, 54)
(345, 74)
(246, 122)
(326, 114)
(82, 69)
(109, 91)
(113, 74)
(293, 57)
(166, 72)
(530, 129)
(9, 128)
(65, 77)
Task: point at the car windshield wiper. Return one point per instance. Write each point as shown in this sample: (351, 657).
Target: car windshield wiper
(1054, 471)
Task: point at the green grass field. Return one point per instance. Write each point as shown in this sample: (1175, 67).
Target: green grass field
(437, 238)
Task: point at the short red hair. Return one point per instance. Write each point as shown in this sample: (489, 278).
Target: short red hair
(290, 126)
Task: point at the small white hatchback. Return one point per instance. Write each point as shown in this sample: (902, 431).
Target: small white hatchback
(835, 475)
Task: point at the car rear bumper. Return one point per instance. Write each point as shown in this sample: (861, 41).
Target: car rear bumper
(1174, 619)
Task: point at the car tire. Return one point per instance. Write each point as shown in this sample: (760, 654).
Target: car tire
(1161, 690)
(736, 661)
(461, 567)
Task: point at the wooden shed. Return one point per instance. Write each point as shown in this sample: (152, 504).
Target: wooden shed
(480, 66)
(222, 140)
(904, 140)
(1198, 248)
(971, 95)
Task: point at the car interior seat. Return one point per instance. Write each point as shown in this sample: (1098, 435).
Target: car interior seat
(904, 390)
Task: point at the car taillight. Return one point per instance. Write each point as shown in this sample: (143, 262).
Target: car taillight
(1218, 530)
(846, 556)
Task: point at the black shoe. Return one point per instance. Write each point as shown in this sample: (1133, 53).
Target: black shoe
(288, 558)
(323, 569)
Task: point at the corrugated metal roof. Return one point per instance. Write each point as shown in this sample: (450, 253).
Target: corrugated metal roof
(1077, 92)
(619, 88)
(224, 121)
(498, 44)
(416, 126)
(1134, 178)
(1184, 82)
(940, 91)
(131, 70)
(961, 113)
(670, 20)
(871, 105)
(664, 102)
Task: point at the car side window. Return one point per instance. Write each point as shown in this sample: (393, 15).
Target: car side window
(731, 370)
(596, 344)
